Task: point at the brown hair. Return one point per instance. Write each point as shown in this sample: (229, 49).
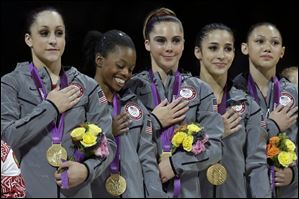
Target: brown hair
(159, 15)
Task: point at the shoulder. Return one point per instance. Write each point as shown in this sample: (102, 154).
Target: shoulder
(198, 83)
(17, 74)
(81, 80)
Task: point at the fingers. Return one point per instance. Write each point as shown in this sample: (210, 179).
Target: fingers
(235, 129)
(175, 102)
(228, 113)
(278, 108)
(293, 111)
(163, 103)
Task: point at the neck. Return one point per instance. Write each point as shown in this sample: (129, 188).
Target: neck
(262, 76)
(106, 89)
(163, 72)
(216, 82)
(52, 68)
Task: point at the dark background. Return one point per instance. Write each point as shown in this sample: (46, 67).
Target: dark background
(128, 16)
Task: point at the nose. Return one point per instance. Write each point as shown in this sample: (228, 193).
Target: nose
(221, 54)
(52, 39)
(125, 72)
(168, 46)
(267, 46)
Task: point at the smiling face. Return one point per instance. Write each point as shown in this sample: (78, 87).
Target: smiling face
(264, 47)
(216, 52)
(117, 67)
(166, 45)
(47, 37)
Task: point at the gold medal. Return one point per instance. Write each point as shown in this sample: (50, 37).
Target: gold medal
(216, 174)
(55, 153)
(116, 184)
(165, 154)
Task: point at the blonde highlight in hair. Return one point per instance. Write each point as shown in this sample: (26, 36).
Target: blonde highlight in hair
(158, 15)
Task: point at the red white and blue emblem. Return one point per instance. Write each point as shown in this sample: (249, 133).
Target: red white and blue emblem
(188, 93)
(286, 98)
(80, 87)
(240, 108)
(134, 110)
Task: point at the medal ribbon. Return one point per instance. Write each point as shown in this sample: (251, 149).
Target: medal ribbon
(114, 167)
(57, 132)
(253, 92)
(222, 106)
(167, 134)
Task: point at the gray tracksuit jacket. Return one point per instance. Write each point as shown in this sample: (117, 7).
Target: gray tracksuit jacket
(25, 120)
(244, 155)
(290, 92)
(200, 98)
(138, 164)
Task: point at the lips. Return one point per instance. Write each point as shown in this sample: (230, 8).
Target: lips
(266, 56)
(119, 81)
(220, 64)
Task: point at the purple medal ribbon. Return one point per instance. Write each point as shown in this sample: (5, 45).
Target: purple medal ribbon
(272, 178)
(222, 105)
(114, 167)
(167, 134)
(253, 92)
(57, 132)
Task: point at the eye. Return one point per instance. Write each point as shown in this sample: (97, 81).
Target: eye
(120, 66)
(275, 43)
(212, 48)
(160, 40)
(259, 41)
(59, 33)
(176, 40)
(44, 33)
(228, 49)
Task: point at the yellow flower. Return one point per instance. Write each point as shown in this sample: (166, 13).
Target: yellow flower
(193, 128)
(77, 133)
(88, 140)
(187, 143)
(178, 138)
(285, 158)
(94, 129)
(294, 156)
(290, 145)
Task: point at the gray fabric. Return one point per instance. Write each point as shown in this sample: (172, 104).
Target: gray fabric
(138, 164)
(267, 106)
(244, 156)
(24, 125)
(186, 165)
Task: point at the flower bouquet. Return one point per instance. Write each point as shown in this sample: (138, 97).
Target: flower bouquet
(281, 154)
(89, 141)
(281, 151)
(190, 138)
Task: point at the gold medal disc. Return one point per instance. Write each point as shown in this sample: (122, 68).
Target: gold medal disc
(216, 174)
(164, 155)
(55, 153)
(116, 184)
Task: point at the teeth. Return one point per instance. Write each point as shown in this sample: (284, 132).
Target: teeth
(118, 80)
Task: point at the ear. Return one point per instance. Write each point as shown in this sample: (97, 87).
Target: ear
(147, 45)
(282, 52)
(99, 59)
(244, 48)
(28, 40)
(197, 53)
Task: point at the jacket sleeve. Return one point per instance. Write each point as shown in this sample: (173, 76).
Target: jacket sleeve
(147, 156)
(256, 160)
(17, 129)
(214, 127)
(99, 114)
